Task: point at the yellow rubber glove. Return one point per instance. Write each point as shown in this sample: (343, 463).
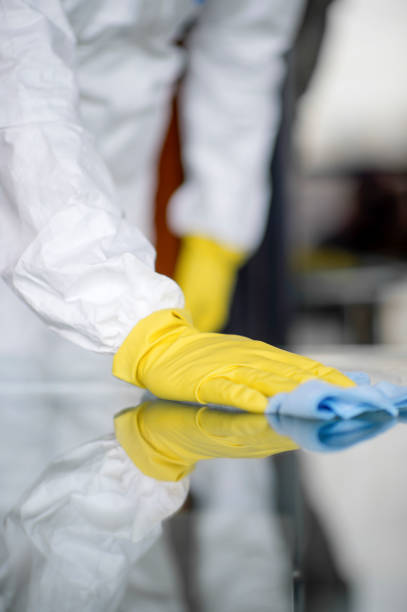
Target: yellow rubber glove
(165, 439)
(167, 355)
(206, 271)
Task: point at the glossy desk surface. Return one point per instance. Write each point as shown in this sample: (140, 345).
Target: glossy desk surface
(91, 529)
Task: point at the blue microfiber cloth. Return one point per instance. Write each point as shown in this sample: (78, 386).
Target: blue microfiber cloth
(319, 400)
(331, 436)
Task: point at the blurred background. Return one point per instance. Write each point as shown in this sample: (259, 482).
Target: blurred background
(331, 269)
(329, 279)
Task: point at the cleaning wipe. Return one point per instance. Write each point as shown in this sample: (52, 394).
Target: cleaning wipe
(320, 400)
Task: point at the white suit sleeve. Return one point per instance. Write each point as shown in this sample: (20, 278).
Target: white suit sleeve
(65, 247)
(230, 113)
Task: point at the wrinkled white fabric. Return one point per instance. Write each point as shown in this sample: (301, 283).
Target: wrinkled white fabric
(230, 109)
(74, 536)
(85, 93)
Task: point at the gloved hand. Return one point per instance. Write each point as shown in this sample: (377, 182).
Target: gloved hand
(165, 439)
(206, 272)
(165, 354)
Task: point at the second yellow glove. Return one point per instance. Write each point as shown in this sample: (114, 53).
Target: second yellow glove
(206, 271)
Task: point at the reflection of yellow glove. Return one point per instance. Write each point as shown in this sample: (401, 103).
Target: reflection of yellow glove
(166, 439)
(167, 355)
(206, 272)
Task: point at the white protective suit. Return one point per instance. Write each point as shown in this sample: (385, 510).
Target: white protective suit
(85, 95)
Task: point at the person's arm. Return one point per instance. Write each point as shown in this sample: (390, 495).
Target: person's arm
(69, 254)
(230, 109)
(64, 246)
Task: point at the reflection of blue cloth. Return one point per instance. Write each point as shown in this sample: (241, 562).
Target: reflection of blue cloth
(319, 400)
(330, 436)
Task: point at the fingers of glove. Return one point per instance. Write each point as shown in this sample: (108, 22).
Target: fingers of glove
(286, 376)
(287, 358)
(328, 374)
(226, 392)
(298, 368)
(333, 376)
(314, 369)
(267, 383)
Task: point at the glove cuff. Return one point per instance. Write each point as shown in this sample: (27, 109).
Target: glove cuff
(147, 333)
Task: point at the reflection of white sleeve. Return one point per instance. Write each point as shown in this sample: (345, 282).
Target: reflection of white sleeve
(230, 114)
(65, 248)
(75, 536)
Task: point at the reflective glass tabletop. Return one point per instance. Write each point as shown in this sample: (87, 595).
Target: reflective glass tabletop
(198, 508)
